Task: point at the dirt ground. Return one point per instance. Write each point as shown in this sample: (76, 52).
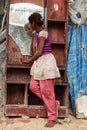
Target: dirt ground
(26, 123)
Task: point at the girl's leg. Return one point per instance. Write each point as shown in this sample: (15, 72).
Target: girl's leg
(35, 87)
(44, 89)
(48, 96)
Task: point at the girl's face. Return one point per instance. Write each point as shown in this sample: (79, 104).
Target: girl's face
(32, 25)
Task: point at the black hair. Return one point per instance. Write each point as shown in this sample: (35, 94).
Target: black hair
(36, 18)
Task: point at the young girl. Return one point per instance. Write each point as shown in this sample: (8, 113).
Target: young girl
(44, 69)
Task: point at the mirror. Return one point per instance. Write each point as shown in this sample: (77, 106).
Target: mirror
(18, 17)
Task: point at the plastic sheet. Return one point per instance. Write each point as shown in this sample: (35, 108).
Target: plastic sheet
(77, 61)
(78, 11)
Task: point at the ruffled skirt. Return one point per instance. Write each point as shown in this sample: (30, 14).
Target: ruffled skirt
(45, 67)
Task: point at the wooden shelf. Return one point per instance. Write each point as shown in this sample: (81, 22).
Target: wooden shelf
(19, 66)
(58, 43)
(16, 82)
(57, 21)
(61, 67)
(57, 33)
(19, 99)
(61, 84)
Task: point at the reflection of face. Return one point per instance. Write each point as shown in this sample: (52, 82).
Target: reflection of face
(28, 30)
(32, 25)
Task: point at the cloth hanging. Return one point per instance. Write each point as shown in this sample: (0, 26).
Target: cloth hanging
(77, 62)
(78, 11)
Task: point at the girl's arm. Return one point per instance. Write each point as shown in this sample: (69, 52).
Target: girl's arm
(38, 53)
(34, 45)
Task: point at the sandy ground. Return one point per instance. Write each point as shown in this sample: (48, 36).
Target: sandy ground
(25, 123)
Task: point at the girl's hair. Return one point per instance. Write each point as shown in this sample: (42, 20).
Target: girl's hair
(36, 18)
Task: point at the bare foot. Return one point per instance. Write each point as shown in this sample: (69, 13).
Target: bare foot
(50, 123)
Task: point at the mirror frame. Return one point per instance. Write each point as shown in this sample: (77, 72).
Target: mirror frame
(22, 1)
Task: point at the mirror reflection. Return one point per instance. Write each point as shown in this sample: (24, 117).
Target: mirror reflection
(18, 17)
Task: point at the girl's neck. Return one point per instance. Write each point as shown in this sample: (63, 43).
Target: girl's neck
(38, 29)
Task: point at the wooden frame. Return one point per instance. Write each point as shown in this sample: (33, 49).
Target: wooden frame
(17, 74)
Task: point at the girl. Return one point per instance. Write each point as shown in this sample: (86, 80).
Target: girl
(44, 69)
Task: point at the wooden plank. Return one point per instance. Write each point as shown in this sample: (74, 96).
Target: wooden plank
(59, 31)
(37, 2)
(26, 95)
(15, 94)
(18, 75)
(57, 9)
(32, 111)
(59, 53)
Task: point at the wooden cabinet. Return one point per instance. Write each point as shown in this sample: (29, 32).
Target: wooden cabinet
(19, 100)
(57, 25)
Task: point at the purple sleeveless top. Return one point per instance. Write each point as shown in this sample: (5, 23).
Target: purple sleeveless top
(47, 45)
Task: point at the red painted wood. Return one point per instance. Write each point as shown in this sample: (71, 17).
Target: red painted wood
(38, 2)
(17, 77)
(57, 9)
(32, 111)
(15, 94)
(57, 33)
(59, 53)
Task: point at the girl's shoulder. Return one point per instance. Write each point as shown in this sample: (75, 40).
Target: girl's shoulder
(43, 33)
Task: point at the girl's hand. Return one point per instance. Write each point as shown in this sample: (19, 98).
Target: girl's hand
(25, 59)
(30, 64)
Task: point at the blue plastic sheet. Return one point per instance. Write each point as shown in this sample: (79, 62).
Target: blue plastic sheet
(77, 61)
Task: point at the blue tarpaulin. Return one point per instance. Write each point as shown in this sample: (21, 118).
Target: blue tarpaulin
(77, 61)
